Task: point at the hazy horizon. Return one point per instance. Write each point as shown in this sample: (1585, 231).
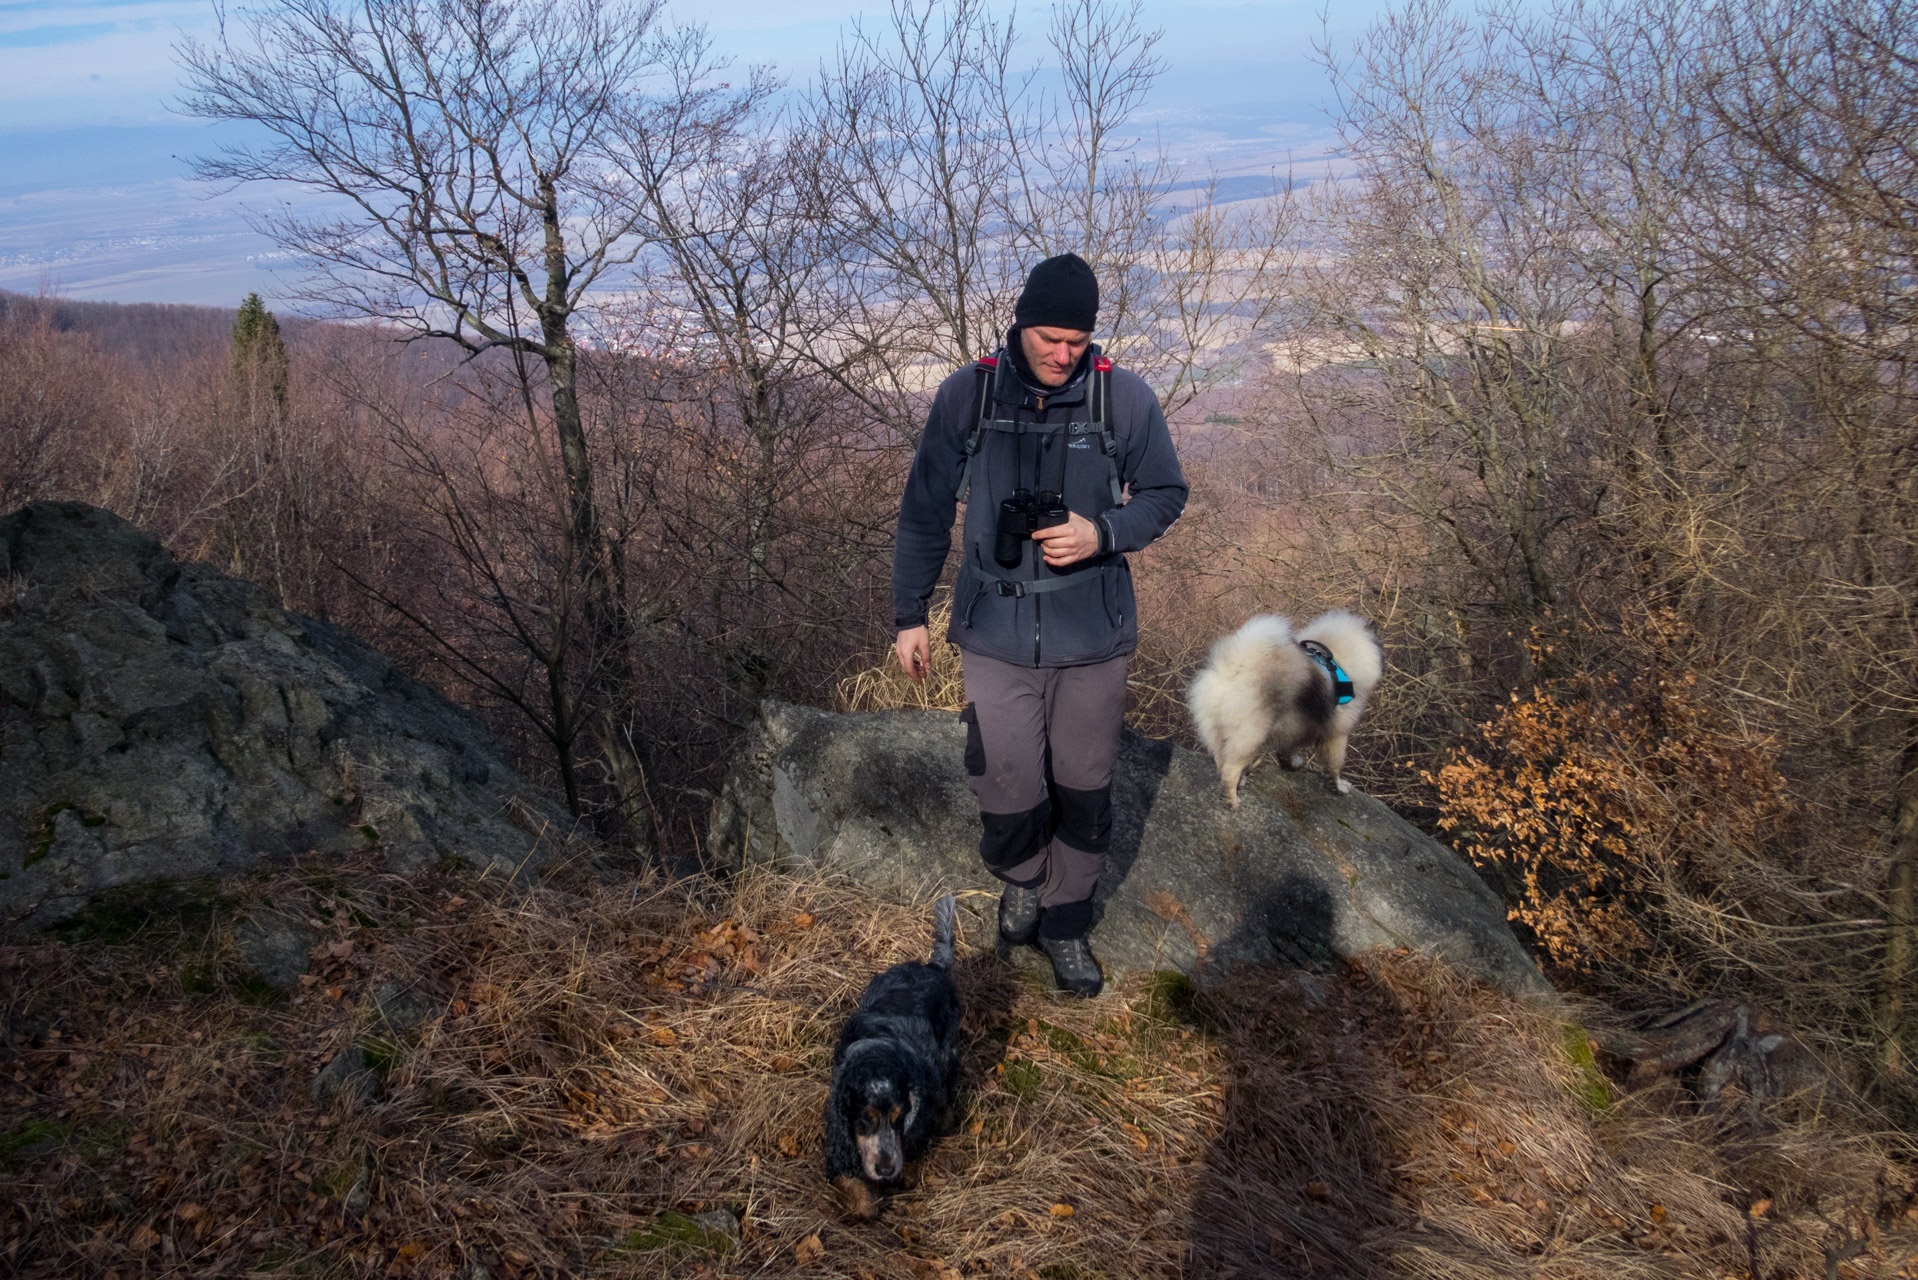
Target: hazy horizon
(96, 202)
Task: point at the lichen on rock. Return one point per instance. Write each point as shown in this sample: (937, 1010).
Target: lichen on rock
(163, 721)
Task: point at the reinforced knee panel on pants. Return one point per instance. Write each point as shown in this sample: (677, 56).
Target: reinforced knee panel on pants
(1011, 838)
(1085, 817)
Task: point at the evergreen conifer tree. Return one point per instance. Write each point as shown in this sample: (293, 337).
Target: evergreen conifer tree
(259, 357)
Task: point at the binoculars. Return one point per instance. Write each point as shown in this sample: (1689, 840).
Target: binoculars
(1020, 516)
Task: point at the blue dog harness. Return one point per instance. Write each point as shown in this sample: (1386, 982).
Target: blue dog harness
(1341, 683)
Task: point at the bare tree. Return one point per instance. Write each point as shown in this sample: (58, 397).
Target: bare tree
(1084, 181)
(469, 149)
(1454, 290)
(722, 180)
(1819, 101)
(1608, 337)
(53, 395)
(948, 172)
(926, 119)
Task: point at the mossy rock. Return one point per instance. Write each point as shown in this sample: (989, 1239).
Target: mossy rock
(1588, 1083)
(680, 1235)
(176, 723)
(1170, 997)
(118, 916)
(1023, 1080)
(31, 1137)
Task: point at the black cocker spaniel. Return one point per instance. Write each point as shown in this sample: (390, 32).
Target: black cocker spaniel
(895, 1072)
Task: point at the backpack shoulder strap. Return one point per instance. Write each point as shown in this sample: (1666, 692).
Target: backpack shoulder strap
(1100, 412)
(983, 370)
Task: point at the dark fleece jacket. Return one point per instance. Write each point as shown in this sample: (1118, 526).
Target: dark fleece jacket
(1090, 622)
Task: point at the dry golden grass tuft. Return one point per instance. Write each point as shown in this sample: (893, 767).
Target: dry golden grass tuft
(1156, 677)
(880, 685)
(618, 1075)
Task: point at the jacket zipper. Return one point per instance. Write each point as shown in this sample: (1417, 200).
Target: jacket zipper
(1038, 466)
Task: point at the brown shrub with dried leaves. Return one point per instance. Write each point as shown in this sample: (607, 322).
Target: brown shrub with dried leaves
(1595, 794)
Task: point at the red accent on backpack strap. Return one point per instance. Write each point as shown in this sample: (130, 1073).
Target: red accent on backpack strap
(1102, 365)
(990, 362)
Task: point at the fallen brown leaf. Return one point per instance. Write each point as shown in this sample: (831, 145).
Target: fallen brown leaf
(1063, 1210)
(809, 1251)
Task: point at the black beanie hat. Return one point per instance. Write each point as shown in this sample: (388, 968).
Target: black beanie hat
(1061, 293)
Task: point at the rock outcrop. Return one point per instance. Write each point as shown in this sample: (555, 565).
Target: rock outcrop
(1297, 874)
(161, 720)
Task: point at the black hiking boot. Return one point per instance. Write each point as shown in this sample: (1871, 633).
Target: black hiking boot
(1073, 965)
(1018, 917)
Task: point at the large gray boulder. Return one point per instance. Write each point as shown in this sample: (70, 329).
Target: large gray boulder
(162, 721)
(1296, 875)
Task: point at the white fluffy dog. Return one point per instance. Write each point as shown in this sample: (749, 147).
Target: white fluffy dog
(1263, 682)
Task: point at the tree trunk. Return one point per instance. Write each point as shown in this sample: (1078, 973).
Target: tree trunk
(1901, 918)
(604, 611)
(756, 667)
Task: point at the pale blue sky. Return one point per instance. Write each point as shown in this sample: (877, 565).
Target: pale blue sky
(94, 202)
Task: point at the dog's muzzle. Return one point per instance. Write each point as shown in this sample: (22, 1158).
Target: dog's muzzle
(881, 1155)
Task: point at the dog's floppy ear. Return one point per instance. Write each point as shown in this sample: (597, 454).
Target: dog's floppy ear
(912, 1109)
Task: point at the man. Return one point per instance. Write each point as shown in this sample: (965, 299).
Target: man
(1043, 610)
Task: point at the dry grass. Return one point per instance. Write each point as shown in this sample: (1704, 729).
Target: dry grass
(1156, 677)
(612, 1061)
(880, 685)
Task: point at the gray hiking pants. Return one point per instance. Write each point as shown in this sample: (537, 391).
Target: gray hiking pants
(1040, 745)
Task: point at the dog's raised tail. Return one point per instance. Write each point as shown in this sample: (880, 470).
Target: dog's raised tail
(945, 921)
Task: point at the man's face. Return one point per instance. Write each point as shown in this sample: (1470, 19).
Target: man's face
(1052, 354)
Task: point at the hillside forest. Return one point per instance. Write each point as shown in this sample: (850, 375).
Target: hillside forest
(1584, 367)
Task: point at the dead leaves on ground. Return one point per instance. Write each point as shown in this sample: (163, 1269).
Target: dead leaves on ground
(729, 951)
(560, 1105)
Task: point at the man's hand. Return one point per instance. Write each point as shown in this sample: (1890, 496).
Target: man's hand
(914, 647)
(1068, 543)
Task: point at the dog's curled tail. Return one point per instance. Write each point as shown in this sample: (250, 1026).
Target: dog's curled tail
(945, 920)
